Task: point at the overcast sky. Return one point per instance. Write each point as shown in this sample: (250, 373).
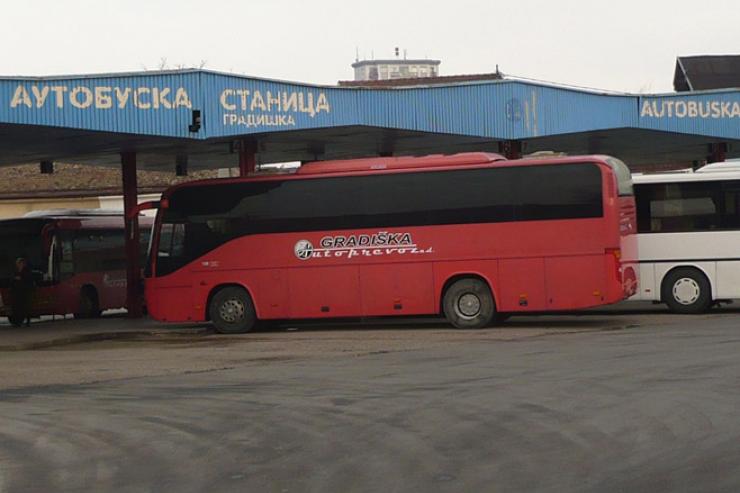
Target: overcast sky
(623, 45)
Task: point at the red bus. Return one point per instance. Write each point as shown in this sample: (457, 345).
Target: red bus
(472, 236)
(76, 257)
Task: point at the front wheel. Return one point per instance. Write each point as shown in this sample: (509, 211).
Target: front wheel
(468, 304)
(687, 290)
(232, 311)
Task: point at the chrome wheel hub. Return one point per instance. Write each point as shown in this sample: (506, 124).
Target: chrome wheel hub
(686, 291)
(468, 305)
(232, 311)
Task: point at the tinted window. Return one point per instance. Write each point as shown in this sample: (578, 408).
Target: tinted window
(93, 250)
(731, 205)
(98, 250)
(199, 219)
(688, 206)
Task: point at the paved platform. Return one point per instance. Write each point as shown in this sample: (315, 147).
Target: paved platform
(50, 332)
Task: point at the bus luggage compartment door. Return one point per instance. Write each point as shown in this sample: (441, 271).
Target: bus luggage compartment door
(575, 282)
(173, 300)
(317, 292)
(522, 282)
(397, 289)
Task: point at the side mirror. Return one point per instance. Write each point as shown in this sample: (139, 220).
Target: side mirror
(144, 206)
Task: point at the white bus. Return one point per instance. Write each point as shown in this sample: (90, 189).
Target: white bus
(688, 226)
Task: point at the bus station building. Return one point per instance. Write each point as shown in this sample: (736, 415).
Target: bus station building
(190, 120)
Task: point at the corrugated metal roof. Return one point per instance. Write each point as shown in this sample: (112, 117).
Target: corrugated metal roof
(152, 112)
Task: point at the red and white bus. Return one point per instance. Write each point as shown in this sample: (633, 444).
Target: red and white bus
(472, 236)
(76, 257)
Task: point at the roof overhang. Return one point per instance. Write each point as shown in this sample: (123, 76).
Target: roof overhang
(92, 119)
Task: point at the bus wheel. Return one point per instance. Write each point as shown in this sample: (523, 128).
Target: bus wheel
(468, 304)
(15, 320)
(686, 290)
(89, 306)
(232, 311)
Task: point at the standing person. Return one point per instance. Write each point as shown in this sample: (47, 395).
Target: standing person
(22, 292)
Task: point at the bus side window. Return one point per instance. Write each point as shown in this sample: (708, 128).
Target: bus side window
(66, 261)
(731, 212)
(171, 240)
(171, 245)
(681, 207)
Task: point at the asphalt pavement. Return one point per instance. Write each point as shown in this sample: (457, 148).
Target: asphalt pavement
(634, 402)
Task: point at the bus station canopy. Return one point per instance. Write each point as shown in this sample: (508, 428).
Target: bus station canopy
(203, 117)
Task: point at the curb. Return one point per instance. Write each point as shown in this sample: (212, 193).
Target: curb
(105, 336)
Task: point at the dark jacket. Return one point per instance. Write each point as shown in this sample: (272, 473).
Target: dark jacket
(21, 291)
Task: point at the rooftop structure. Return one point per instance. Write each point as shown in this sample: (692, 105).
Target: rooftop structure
(197, 119)
(421, 81)
(706, 72)
(395, 68)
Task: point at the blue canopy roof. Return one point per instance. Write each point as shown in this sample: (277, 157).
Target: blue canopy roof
(94, 117)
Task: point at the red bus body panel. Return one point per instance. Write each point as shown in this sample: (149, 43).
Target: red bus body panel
(531, 266)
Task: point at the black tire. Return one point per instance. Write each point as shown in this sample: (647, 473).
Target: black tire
(686, 290)
(15, 320)
(89, 303)
(468, 304)
(266, 326)
(232, 312)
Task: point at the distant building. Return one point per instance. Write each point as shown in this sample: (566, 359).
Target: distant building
(73, 186)
(395, 68)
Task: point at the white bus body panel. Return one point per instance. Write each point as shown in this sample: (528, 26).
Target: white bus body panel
(713, 252)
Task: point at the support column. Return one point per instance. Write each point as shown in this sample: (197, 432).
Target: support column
(511, 149)
(247, 157)
(717, 152)
(133, 269)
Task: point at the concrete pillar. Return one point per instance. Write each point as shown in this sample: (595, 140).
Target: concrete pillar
(511, 149)
(717, 152)
(133, 269)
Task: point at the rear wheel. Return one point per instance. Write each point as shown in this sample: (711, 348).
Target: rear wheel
(468, 304)
(232, 311)
(89, 306)
(687, 290)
